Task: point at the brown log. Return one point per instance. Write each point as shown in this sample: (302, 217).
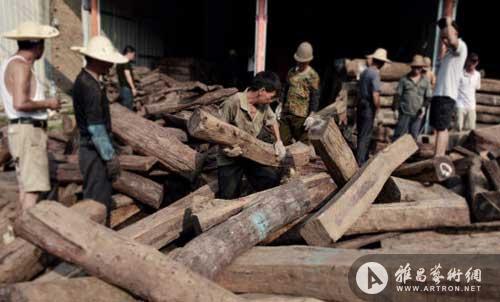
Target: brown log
(333, 149)
(486, 206)
(430, 170)
(140, 188)
(123, 262)
(484, 139)
(120, 200)
(490, 86)
(179, 119)
(390, 72)
(361, 241)
(205, 126)
(493, 110)
(167, 101)
(488, 99)
(21, 260)
(477, 183)
(68, 173)
(122, 214)
(70, 290)
(388, 88)
(344, 209)
(137, 163)
(147, 138)
(487, 118)
(68, 195)
(492, 171)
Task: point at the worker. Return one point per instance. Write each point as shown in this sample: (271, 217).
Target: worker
(26, 108)
(413, 93)
(466, 101)
(126, 78)
(369, 102)
(301, 97)
(99, 163)
(448, 79)
(249, 111)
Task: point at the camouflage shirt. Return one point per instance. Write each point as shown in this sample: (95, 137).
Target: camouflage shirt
(303, 88)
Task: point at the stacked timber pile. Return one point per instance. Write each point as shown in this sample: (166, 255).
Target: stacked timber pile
(488, 103)
(171, 239)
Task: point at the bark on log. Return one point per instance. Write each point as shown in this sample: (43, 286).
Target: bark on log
(388, 88)
(21, 260)
(363, 240)
(490, 86)
(494, 110)
(492, 171)
(487, 118)
(122, 214)
(484, 139)
(70, 290)
(210, 252)
(67, 173)
(334, 219)
(477, 183)
(390, 72)
(147, 138)
(140, 188)
(137, 163)
(486, 206)
(331, 146)
(430, 170)
(120, 200)
(205, 126)
(488, 99)
(150, 274)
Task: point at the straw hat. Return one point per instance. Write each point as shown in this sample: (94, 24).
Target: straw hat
(101, 48)
(428, 62)
(304, 53)
(379, 54)
(30, 30)
(418, 61)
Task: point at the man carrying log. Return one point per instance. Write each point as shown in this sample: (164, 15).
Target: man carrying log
(448, 78)
(369, 102)
(26, 107)
(301, 97)
(250, 111)
(413, 91)
(99, 163)
(466, 101)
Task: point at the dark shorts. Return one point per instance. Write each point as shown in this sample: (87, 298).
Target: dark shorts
(442, 108)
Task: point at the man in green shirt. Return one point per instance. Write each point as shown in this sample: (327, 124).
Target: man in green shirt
(126, 79)
(413, 91)
(249, 111)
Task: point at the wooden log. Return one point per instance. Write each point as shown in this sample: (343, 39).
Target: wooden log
(484, 139)
(168, 101)
(68, 173)
(494, 110)
(21, 260)
(361, 241)
(390, 72)
(179, 119)
(320, 273)
(205, 126)
(70, 290)
(140, 188)
(492, 171)
(388, 88)
(477, 183)
(435, 242)
(122, 262)
(122, 214)
(68, 195)
(487, 118)
(415, 215)
(333, 149)
(488, 99)
(430, 170)
(486, 206)
(120, 200)
(210, 252)
(137, 163)
(147, 138)
(490, 86)
(344, 209)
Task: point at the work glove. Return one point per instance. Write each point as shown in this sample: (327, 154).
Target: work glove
(232, 151)
(279, 150)
(279, 109)
(113, 168)
(310, 120)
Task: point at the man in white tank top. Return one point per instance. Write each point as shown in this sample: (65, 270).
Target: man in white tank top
(26, 107)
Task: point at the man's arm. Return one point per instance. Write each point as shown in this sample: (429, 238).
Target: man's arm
(276, 130)
(130, 81)
(376, 100)
(21, 73)
(451, 34)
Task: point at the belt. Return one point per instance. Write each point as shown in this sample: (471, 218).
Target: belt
(29, 121)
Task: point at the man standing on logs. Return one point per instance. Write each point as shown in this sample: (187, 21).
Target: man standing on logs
(448, 79)
(250, 111)
(369, 102)
(301, 97)
(26, 107)
(466, 101)
(99, 163)
(413, 91)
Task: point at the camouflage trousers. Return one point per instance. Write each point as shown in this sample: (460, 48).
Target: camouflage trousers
(292, 126)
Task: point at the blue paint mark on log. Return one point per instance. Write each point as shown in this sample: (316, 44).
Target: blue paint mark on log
(260, 222)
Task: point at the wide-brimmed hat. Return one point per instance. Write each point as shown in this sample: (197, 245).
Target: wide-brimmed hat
(30, 30)
(418, 61)
(304, 53)
(428, 62)
(379, 54)
(101, 48)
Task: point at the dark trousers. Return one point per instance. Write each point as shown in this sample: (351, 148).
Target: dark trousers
(292, 127)
(126, 97)
(230, 177)
(96, 184)
(364, 125)
(407, 123)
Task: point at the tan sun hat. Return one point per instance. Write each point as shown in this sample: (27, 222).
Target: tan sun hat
(304, 53)
(101, 48)
(428, 62)
(30, 30)
(380, 54)
(418, 61)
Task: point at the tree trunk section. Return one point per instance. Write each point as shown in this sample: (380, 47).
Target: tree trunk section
(140, 188)
(430, 170)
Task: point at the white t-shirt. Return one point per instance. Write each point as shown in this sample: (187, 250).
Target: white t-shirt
(450, 71)
(469, 83)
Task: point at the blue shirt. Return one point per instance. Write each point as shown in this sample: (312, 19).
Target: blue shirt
(369, 82)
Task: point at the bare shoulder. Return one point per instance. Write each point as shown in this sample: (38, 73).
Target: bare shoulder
(18, 67)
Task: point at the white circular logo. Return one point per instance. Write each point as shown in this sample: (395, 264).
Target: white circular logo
(371, 278)
(446, 169)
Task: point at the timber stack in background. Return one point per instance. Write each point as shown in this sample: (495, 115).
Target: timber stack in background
(173, 240)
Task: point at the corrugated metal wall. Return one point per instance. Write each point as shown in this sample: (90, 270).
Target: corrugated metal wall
(15, 12)
(123, 28)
